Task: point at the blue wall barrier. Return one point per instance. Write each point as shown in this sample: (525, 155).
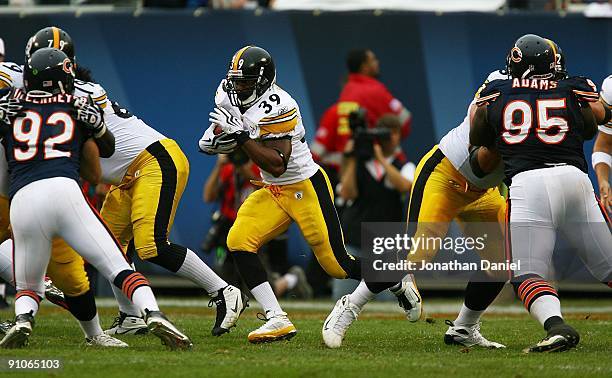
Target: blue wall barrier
(165, 67)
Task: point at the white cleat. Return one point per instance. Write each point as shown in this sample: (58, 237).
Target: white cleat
(230, 304)
(169, 335)
(125, 324)
(19, 334)
(338, 322)
(468, 336)
(104, 340)
(409, 298)
(277, 327)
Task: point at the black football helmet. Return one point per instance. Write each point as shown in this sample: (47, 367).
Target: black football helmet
(532, 57)
(48, 70)
(50, 37)
(560, 69)
(251, 73)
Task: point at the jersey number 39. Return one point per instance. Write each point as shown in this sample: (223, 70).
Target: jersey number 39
(517, 132)
(27, 130)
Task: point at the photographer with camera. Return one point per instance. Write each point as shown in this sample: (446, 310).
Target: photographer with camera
(375, 179)
(230, 184)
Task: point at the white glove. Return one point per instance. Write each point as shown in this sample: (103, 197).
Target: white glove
(225, 120)
(222, 143)
(9, 108)
(91, 116)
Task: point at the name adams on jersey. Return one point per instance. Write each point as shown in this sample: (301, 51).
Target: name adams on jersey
(538, 123)
(276, 115)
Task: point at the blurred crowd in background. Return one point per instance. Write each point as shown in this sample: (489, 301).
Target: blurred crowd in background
(313, 4)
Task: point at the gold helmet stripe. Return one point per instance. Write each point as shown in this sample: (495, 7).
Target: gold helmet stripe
(56, 37)
(552, 44)
(237, 57)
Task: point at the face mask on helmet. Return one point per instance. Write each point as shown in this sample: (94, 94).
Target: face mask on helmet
(242, 91)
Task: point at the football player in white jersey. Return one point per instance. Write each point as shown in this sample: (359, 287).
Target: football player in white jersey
(602, 150)
(445, 189)
(255, 114)
(148, 172)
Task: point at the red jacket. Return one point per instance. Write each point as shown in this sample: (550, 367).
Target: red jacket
(375, 98)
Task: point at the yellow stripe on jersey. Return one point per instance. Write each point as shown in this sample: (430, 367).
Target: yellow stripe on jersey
(278, 128)
(100, 98)
(56, 38)
(484, 99)
(6, 76)
(237, 57)
(286, 114)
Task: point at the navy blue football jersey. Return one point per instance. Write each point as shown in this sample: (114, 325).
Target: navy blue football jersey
(45, 142)
(538, 123)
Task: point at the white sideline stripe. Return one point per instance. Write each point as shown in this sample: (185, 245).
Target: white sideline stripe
(388, 307)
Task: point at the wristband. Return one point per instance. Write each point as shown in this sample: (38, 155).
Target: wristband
(601, 157)
(102, 131)
(242, 137)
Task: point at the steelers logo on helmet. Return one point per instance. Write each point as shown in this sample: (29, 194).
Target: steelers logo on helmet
(250, 75)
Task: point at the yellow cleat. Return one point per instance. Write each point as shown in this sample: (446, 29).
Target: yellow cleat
(277, 327)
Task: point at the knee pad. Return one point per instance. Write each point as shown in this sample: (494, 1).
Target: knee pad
(237, 240)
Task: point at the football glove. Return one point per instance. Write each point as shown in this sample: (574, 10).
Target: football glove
(91, 116)
(229, 124)
(9, 108)
(221, 143)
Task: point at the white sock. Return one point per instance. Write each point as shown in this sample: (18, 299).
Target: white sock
(545, 307)
(125, 305)
(2, 290)
(361, 295)
(197, 271)
(91, 327)
(145, 300)
(291, 279)
(468, 317)
(264, 294)
(25, 304)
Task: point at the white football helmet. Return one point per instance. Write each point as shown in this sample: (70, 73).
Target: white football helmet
(221, 143)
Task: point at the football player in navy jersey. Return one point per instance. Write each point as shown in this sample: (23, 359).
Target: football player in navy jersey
(47, 148)
(537, 121)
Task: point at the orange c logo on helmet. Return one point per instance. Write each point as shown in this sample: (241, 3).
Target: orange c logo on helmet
(67, 66)
(516, 54)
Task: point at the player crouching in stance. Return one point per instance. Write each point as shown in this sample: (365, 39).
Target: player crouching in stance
(47, 147)
(538, 125)
(255, 114)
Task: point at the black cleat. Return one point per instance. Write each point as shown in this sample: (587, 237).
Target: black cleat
(19, 334)
(559, 339)
(230, 302)
(163, 328)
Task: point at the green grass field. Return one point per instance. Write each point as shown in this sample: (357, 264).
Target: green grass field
(380, 344)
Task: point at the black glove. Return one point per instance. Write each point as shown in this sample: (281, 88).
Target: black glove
(90, 115)
(9, 108)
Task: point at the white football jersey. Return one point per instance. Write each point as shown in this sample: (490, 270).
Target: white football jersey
(606, 95)
(132, 135)
(276, 115)
(455, 146)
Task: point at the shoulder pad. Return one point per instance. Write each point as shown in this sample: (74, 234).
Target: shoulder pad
(489, 91)
(11, 75)
(275, 113)
(583, 88)
(97, 93)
